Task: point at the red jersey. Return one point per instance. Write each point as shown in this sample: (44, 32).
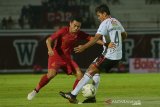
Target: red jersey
(65, 41)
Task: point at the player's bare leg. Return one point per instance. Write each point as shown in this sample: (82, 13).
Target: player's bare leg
(43, 81)
(78, 73)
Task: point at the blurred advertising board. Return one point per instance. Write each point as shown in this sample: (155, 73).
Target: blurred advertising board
(144, 65)
(25, 50)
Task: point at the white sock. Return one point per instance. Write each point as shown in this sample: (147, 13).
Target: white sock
(81, 83)
(96, 80)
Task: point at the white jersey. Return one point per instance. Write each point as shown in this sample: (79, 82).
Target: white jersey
(111, 29)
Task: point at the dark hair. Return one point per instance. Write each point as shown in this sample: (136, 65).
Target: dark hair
(102, 8)
(76, 18)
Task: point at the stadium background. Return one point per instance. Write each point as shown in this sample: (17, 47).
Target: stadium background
(25, 24)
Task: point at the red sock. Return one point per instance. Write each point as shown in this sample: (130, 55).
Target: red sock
(44, 80)
(75, 83)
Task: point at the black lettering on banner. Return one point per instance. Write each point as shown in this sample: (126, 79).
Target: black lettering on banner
(128, 45)
(155, 48)
(25, 51)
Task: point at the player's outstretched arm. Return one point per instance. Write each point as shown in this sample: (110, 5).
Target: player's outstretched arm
(49, 46)
(107, 44)
(124, 35)
(100, 42)
(81, 48)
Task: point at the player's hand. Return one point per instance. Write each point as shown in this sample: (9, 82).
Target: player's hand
(50, 53)
(79, 49)
(111, 45)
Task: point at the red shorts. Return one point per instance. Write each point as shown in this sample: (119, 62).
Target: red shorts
(56, 62)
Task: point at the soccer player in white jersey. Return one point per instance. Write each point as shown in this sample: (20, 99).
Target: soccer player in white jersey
(109, 28)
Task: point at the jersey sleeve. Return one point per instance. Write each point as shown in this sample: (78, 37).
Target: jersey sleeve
(122, 28)
(84, 36)
(102, 30)
(58, 33)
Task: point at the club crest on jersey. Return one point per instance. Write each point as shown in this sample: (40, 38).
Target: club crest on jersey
(114, 23)
(25, 50)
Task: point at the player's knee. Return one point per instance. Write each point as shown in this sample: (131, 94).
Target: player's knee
(91, 71)
(96, 79)
(51, 74)
(79, 75)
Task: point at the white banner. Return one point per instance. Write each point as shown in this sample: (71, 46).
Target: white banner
(144, 65)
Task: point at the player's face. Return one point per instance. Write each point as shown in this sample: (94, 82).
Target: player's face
(75, 26)
(101, 16)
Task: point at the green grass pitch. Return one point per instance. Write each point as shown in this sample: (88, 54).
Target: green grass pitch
(119, 90)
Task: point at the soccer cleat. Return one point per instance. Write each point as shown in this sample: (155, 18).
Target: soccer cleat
(90, 100)
(31, 95)
(69, 96)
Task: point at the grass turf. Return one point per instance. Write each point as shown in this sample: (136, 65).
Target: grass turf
(119, 90)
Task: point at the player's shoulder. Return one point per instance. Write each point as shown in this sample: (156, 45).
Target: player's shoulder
(83, 33)
(106, 22)
(111, 20)
(65, 28)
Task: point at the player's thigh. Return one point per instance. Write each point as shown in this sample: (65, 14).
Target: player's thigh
(102, 63)
(76, 69)
(78, 73)
(54, 65)
(92, 69)
(108, 64)
(97, 63)
(73, 68)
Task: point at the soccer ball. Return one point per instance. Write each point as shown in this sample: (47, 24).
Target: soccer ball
(88, 91)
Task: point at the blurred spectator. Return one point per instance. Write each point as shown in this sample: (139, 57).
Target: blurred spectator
(72, 3)
(52, 12)
(10, 23)
(4, 23)
(87, 2)
(25, 11)
(44, 2)
(21, 22)
(152, 1)
(113, 2)
(148, 1)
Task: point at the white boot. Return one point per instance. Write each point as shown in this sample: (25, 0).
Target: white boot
(31, 95)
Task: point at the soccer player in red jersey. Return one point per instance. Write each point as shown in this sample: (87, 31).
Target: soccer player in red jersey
(60, 55)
